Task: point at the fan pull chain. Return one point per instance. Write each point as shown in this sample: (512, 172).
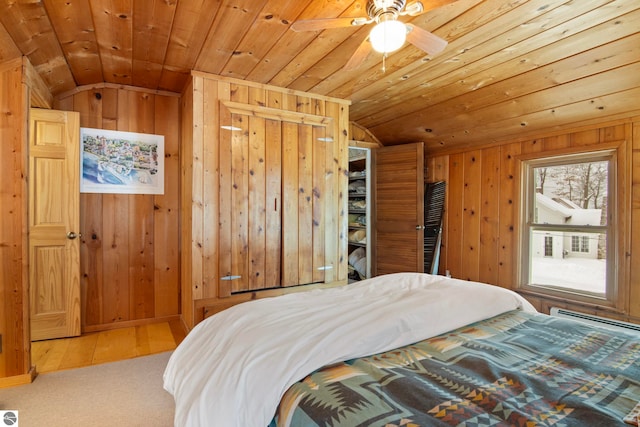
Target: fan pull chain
(384, 63)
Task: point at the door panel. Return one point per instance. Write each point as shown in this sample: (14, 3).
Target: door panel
(319, 197)
(257, 226)
(227, 133)
(399, 209)
(304, 183)
(54, 213)
(240, 209)
(273, 202)
(290, 211)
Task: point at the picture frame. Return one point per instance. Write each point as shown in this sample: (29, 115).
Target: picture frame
(121, 162)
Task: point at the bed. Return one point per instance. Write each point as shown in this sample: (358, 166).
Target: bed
(404, 349)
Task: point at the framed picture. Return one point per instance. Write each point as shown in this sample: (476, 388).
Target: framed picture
(121, 162)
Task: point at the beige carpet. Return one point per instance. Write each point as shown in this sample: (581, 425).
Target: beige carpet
(125, 393)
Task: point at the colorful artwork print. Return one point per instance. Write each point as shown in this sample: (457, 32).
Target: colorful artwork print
(121, 162)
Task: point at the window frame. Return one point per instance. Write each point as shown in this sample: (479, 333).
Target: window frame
(527, 164)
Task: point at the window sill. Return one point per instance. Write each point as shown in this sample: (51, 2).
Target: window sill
(591, 304)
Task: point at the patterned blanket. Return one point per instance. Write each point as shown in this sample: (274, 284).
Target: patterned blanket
(516, 369)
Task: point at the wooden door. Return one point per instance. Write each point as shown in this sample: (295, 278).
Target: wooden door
(304, 197)
(399, 209)
(54, 221)
(250, 203)
(272, 200)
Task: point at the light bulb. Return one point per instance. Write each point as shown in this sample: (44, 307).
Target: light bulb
(388, 36)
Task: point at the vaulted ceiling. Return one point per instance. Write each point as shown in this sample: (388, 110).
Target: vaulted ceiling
(511, 67)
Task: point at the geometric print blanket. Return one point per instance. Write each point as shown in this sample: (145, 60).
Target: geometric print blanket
(515, 369)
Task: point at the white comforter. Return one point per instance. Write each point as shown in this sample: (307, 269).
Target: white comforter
(233, 368)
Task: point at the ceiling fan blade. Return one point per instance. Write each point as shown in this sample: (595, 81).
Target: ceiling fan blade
(425, 40)
(323, 24)
(359, 55)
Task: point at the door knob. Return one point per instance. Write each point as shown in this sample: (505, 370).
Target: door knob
(420, 227)
(71, 235)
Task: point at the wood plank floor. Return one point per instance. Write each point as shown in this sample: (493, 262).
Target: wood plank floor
(106, 346)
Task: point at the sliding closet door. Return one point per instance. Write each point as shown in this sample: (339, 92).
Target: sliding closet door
(399, 209)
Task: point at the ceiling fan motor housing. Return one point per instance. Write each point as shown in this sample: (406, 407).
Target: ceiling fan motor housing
(375, 8)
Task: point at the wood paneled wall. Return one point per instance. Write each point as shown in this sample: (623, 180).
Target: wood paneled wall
(14, 324)
(481, 221)
(130, 243)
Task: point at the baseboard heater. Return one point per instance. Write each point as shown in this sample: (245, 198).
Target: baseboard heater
(594, 320)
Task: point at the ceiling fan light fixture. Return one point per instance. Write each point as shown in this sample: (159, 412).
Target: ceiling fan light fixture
(388, 36)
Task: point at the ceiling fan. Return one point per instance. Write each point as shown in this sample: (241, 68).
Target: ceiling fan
(388, 35)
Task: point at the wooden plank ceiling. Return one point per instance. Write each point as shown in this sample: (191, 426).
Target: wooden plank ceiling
(512, 67)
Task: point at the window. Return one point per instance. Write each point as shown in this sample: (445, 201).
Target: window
(579, 243)
(584, 246)
(548, 246)
(567, 232)
(575, 244)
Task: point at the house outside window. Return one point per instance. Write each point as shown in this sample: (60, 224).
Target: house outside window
(567, 234)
